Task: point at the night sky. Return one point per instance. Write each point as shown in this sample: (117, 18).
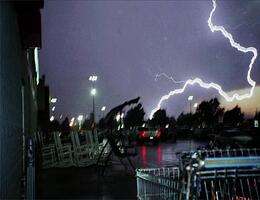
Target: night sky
(126, 43)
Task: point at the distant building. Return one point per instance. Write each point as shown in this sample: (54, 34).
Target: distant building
(20, 36)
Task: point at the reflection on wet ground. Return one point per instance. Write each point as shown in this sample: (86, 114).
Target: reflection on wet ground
(164, 154)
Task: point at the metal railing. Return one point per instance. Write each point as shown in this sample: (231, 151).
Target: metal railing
(205, 174)
(158, 183)
(228, 184)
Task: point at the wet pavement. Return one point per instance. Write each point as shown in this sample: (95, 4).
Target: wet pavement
(117, 183)
(164, 154)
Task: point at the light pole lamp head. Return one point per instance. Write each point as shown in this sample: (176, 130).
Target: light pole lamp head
(52, 118)
(53, 100)
(93, 92)
(190, 98)
(93, 78)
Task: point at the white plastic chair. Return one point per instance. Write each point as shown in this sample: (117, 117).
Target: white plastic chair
(47, 153)
(96, 147)
(82, 152)
(64, 151)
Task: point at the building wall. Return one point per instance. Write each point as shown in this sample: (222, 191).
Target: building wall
(30, 86)
(17, 71)
(43, 105)
(11, 61)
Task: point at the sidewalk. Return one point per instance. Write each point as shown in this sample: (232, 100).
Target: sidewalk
(87, 183)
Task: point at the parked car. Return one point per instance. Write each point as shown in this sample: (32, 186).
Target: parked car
(148, 135)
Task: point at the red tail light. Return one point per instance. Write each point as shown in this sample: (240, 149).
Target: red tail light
(143, 134)
(158, 133)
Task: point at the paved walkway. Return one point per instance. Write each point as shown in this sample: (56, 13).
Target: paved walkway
(87, 183)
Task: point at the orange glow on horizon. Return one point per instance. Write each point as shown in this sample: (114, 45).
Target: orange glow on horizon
(248, 106)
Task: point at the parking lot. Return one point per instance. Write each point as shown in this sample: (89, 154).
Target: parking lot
(117, 182)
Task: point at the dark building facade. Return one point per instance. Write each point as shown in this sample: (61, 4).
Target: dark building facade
(20, 36)
(43, 94)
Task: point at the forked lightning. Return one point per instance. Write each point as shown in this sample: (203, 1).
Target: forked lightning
(215, 28)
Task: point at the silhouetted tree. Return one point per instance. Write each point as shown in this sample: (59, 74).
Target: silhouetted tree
(185, 120)
(87, 124)
(208, 112)
(54, 125)
(65, 127)
(234, 116)
(134, 116)
(257, 116)
(172, 122)
(160, 118)
(101, 124)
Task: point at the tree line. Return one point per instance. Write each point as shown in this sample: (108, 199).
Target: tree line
(208, 114)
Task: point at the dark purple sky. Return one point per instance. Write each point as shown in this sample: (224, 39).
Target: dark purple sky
(126, 43)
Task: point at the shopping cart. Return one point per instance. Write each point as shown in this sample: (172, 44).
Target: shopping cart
(222, 173)
(205, 174)
(231, 184)
(158, 183)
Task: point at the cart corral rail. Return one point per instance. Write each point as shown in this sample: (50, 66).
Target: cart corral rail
(204, 174)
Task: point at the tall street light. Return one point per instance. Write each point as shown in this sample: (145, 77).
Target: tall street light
(103, 111)
(53, 100)
(190, 100)
(52, 103)
(195, 106)
(93, 78)
(93, 92)
(52, 118)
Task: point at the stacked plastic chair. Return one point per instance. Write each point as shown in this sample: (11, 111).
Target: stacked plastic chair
(82, 152)
(96, 146)
(47, 153)
(64, 152)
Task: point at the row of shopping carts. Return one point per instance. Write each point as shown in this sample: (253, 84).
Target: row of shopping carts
(204, 174)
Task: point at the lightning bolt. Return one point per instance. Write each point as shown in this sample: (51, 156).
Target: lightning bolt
(215, 28)
(168, 77)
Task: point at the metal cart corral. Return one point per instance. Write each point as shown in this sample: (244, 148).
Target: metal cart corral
(205, 174)
(158, 183)
(231, 184)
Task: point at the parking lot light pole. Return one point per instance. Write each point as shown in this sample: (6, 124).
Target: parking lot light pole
(190, 100)
(103, 111)
(93, 92)
(195, 106)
